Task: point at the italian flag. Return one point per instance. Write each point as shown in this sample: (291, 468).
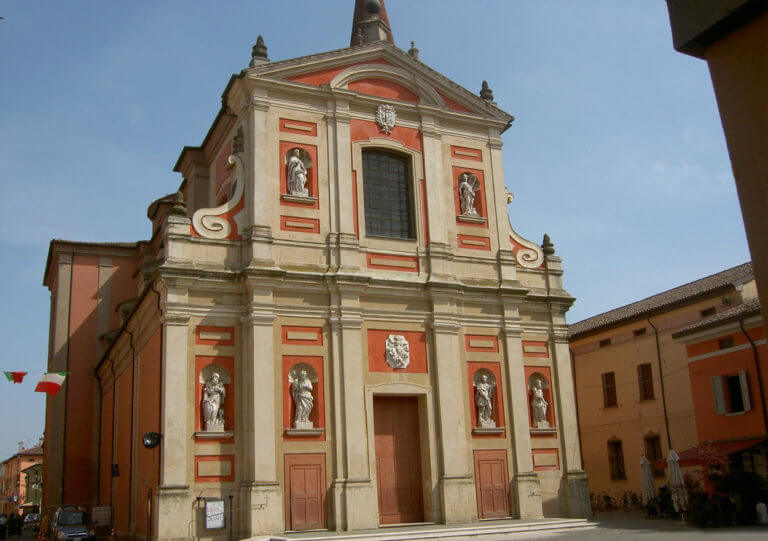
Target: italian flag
(51, 382)
(15, 377)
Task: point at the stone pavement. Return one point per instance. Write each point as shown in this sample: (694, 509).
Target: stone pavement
(630, 526)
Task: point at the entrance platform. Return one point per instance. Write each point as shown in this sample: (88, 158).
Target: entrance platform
(440, 531)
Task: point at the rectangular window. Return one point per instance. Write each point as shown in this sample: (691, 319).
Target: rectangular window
(616, 460)
(645, 381)
(387, 195)
(606, 342)
(708, 312)
(609, 390)
(653, 453)
(731, 393)
(725, 343)
(639, 332)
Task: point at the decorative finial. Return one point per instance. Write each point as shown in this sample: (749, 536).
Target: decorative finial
(178, 205)
(547, 247)
(486, 93)
(373, 6)
(509, 195)
(259, 52)
(413, 52)
(358, 39)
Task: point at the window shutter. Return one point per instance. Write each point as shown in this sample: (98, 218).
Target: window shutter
(718, 395)
(640, 384)
(605, 390)
(744, 390)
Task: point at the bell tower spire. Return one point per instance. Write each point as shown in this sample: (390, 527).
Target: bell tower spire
(370, 23)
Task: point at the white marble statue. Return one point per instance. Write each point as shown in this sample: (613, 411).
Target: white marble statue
(213, 398)
(301, 390)
(539, 406)
(483, 402)
(398, 351)
(468, 185)
(297, 174)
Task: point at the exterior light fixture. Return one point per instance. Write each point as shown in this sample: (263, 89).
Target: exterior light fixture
(150, 440)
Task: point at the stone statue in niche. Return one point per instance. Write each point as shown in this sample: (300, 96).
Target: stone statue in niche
(297, 172)
(484, 401)
(213, 398)
(468, 188)
(398, 351)
(539, 406)
(301, 391)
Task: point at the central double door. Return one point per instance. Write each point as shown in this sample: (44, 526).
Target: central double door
(398, 459)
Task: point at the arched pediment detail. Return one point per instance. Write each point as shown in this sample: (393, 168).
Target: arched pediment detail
(426, 93)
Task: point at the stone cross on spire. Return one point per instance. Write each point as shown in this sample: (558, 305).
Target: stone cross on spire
(370, 23)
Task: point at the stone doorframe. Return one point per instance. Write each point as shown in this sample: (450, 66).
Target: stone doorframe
(427, 435)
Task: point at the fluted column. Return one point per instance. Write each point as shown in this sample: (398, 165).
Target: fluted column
(261, 495)
(525, 482)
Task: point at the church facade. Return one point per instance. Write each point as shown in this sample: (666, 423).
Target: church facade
(334, 324)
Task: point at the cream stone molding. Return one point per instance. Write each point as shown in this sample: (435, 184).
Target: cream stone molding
(208, 222)
(426, 93)
(531, 255)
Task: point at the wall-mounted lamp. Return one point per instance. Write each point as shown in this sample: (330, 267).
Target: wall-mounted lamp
(150, 440)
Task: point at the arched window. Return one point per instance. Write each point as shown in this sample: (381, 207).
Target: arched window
(387, 195)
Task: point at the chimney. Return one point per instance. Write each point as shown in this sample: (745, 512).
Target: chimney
(21, 446)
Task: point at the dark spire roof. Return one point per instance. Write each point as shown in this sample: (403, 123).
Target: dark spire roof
(371, 15)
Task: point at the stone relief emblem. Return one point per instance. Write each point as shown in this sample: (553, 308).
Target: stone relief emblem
(297, 163)
(386, 117)
(398, 351)
(468, 188)
(484, 384)
(213, 398)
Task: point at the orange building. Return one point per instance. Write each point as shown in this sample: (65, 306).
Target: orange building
(13, 482)
(727, 362)
(730, 36)
(634, 393)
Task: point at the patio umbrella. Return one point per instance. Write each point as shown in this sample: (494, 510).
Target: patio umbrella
(676, 483)
(649, 489)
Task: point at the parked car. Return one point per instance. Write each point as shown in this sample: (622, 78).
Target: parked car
(32, 521)
(71, 522)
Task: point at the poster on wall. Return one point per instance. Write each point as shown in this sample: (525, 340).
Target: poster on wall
(214, 514)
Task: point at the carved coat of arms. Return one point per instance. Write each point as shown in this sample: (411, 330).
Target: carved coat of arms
(398, 351)
(386, 117)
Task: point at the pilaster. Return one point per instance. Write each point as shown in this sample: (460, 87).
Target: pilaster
(343, 188)
(457, 487)
(175, 453)
(525, 482)
(260, 188)
(260, 489)
(575, 490)
(354, 496)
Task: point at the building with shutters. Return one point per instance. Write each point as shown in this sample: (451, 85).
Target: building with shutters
(645, 375)
(333, 323)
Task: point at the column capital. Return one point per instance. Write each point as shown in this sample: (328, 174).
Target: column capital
(175, 318)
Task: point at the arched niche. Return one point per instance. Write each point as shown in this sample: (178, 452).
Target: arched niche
(481, 426)
(535, 380)
(293, 187)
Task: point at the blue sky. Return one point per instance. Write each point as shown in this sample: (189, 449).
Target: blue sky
(617, 149)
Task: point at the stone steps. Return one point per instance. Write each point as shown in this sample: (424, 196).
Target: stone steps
(439, 531)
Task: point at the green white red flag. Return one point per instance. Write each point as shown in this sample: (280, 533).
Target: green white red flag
(15, 377)
(51, 382)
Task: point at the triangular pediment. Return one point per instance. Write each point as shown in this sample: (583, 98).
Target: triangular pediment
(383, 70)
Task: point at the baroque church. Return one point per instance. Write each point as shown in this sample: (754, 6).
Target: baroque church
(334, 324)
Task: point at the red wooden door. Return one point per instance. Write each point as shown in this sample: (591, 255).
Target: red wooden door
(492, 482)
(398, 459)
(305, 494)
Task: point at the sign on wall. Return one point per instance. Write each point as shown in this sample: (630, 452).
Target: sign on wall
(214, 514)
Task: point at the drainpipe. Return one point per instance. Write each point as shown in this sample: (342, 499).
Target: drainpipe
(661, 382)
(756, 357)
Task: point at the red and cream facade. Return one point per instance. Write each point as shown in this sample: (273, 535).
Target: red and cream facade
(251, 282)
